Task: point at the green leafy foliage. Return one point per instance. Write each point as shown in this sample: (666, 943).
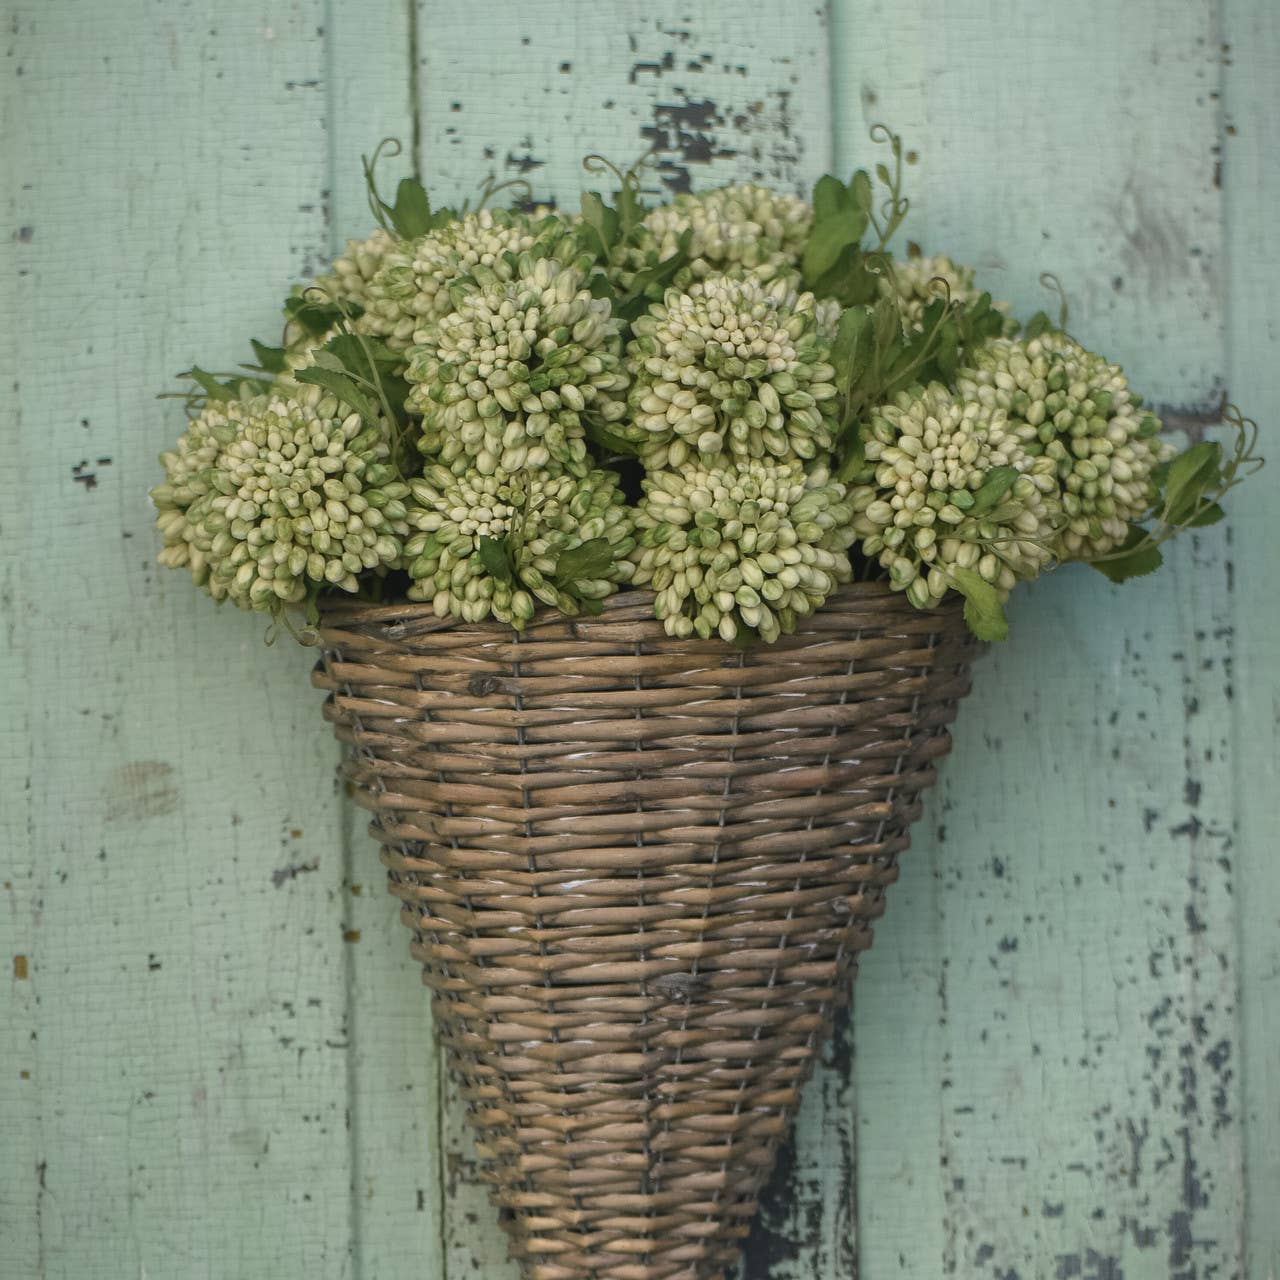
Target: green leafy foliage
(982, 608)
(1190, 488)
(411, 215)
(314, 313)
(1136, 556)
(495, 555)
(590, 559)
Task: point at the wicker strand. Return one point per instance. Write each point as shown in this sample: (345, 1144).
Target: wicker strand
(638, 871)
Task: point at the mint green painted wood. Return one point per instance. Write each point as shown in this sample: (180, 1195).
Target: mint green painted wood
(398, 1171)
(1048, 1031)
(527, 89)
(1063, 1054)
(1251, 52)
(185, 1111)
(1077, 138)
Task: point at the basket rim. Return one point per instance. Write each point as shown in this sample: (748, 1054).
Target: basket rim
(417, 617)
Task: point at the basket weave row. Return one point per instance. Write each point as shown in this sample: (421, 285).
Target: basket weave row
(638, 871)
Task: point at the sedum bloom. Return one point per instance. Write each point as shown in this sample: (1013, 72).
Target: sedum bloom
(728, 545)
(531, 521)
(730, 366)
(268, 496)
(347, 280)
(507, 378)
(911, 283)
(924, 513)
(741, 229)
(1104, 446)
(412, 285)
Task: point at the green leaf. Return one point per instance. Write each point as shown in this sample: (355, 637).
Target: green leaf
(982, 608)
(851, 346)
(591, 559)
(603, 220)
(214, 389)
(998, 482)
(270, 359)
(1190, 474)
(356, 352)
(411, 214)
(855, 458)
(827, 241)
(316, 317)
(850, 282)
(327, 359)
(1038, 325)
(860, 187)
(1136, 556)
(1210, 515)
(830, 198)
(342, 387)
(496, 558)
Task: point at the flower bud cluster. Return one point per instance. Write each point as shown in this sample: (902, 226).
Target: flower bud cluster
(731, 545)
(730, 366)
(530, 521)
(270, 495)
(912, 282)
(741, 229)
(925, 513)
(507, 379)
(347, 280)
(412, 285)
(1104, 446)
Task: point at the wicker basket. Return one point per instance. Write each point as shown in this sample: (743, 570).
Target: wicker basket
(638, 871)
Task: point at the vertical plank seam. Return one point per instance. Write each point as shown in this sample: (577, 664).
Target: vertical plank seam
(346, 850)
(1240, 1174)
(415, 97)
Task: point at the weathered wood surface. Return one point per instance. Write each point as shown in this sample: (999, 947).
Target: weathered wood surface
(1063, 1055)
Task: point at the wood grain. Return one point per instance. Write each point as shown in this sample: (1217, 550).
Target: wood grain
(1251, 50)
(178, 870)
(1065, 1042)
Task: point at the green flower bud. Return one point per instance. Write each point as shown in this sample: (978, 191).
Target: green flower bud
(924, 509)
(721, 583)
(238, 481)
(1089, 425)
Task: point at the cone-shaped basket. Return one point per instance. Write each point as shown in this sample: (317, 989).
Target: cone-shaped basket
(638, 871)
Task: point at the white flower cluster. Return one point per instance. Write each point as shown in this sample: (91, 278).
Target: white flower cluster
(730, 366)
(347, 280)
(507, 379)
(1078, 405)
(929, 510)
(740, 229)
(493, 545)
(730, 545)
(268, 495)
(412, 284)
(913, 283)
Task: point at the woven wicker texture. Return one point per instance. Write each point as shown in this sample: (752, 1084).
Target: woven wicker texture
(638, 872)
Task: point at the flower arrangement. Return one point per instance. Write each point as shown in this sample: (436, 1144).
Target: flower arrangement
(736, 400)
(637, 870)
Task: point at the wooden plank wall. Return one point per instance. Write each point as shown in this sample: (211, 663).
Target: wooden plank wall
(216, 1059)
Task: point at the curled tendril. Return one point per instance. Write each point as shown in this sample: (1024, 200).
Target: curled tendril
(940, 287)
(491, 186)
(628, 179)
(377, 206)
(895, 206)
(1051, 282)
